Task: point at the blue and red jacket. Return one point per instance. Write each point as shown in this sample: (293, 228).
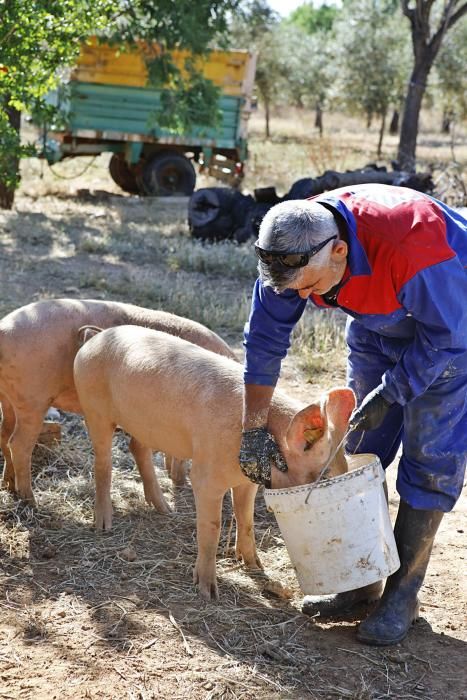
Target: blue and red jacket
(407, 279)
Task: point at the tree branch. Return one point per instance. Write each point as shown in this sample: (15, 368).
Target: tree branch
(446, 22)
(406, 9)
(457, 15)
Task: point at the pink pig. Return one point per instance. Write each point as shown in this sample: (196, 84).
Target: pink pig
(38, 344)
(169, 393)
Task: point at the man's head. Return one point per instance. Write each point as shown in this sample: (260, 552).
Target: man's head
(308, 231)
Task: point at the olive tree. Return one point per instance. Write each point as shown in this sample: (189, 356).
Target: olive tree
(371, 52)
(429, 21)
(257, 26)
(451, 76)
(36, 38)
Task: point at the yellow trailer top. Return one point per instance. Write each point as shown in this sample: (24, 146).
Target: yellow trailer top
(112, 65)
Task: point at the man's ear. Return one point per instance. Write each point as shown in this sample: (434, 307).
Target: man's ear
(339, 251)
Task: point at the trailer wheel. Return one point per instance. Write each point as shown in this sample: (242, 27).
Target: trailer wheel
(168, 174)
(122, 174)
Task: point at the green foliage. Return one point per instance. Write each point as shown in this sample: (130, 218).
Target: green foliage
(10, 150)
(310, 66)
(313, 19)
(187, 99)
(173, 23)
(37, 39)
(191, 101)
(372, 54)
(451, 84)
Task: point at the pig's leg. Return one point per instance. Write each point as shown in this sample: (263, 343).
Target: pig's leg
(167, 463)
(175, 469)
(101, 434)
(245, 547)
(25, 434)
(8, 426)
(178, 471)
(152, 489)
(208, 499)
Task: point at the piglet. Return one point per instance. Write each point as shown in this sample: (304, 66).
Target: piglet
(38, 344)
(169, 393)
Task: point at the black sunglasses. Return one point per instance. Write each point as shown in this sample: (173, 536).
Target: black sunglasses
(292, 260)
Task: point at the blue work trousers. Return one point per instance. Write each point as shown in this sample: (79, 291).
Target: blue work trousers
(432, 427)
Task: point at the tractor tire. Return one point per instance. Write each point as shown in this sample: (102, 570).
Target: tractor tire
(168, 173)
(122, 174)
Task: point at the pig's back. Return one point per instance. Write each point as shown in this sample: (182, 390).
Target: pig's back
(166, 392)
(38, 343)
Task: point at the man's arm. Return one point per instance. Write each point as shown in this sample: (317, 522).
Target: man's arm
(267, 339)
(267, 332)
(257, 400)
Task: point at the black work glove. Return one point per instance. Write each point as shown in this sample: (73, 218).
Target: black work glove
(258, 452)
(371, 412)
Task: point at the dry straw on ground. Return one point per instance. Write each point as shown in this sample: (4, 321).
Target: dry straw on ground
(116, 616)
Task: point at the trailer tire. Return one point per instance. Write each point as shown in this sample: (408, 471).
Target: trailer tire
(122, 174)
(167, 174)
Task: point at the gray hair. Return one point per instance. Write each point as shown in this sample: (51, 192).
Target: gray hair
(294, 226)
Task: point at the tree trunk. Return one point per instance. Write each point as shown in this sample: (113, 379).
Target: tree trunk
(7, 194)
(394, 124)
(411, 115)
(267, 114)
(448, 116)
(381, 134)
(319, 119)
(426, 42)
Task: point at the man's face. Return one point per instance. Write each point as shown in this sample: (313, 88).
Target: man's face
(319, 280)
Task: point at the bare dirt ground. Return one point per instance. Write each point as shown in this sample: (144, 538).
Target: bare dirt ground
(116, 615)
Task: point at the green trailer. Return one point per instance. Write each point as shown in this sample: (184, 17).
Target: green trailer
(109, 108)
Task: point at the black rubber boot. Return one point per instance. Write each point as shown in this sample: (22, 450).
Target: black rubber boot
(415, 532)
(341, 603)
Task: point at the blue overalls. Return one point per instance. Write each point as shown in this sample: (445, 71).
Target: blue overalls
(406, 296)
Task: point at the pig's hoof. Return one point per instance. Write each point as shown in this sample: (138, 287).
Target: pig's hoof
(102, 521)
(253, 564)
(27, 497)
(207, 588)
(250, 559)
(9, 483)
(209, 591)
(160, 504)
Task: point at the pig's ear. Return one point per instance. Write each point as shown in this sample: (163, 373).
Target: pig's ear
(339, 406)
(85, 333)
(306, 428)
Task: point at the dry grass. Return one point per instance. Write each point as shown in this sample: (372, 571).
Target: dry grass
(295, 150)
(115, 615)
(319, 345)
(125, 601)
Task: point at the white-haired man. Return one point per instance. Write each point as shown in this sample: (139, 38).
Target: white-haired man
(395, 261)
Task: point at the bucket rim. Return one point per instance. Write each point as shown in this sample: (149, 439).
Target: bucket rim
(326, 483)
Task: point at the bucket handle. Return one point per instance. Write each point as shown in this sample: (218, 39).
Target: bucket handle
(326, 466)
(322, 472)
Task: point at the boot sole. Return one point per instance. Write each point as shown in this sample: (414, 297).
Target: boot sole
(378, 642)
(341, 612)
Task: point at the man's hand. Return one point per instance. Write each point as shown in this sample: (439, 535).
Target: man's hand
(258, 452)
(371, 412)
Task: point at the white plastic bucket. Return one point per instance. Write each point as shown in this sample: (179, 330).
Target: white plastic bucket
(338, 532)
